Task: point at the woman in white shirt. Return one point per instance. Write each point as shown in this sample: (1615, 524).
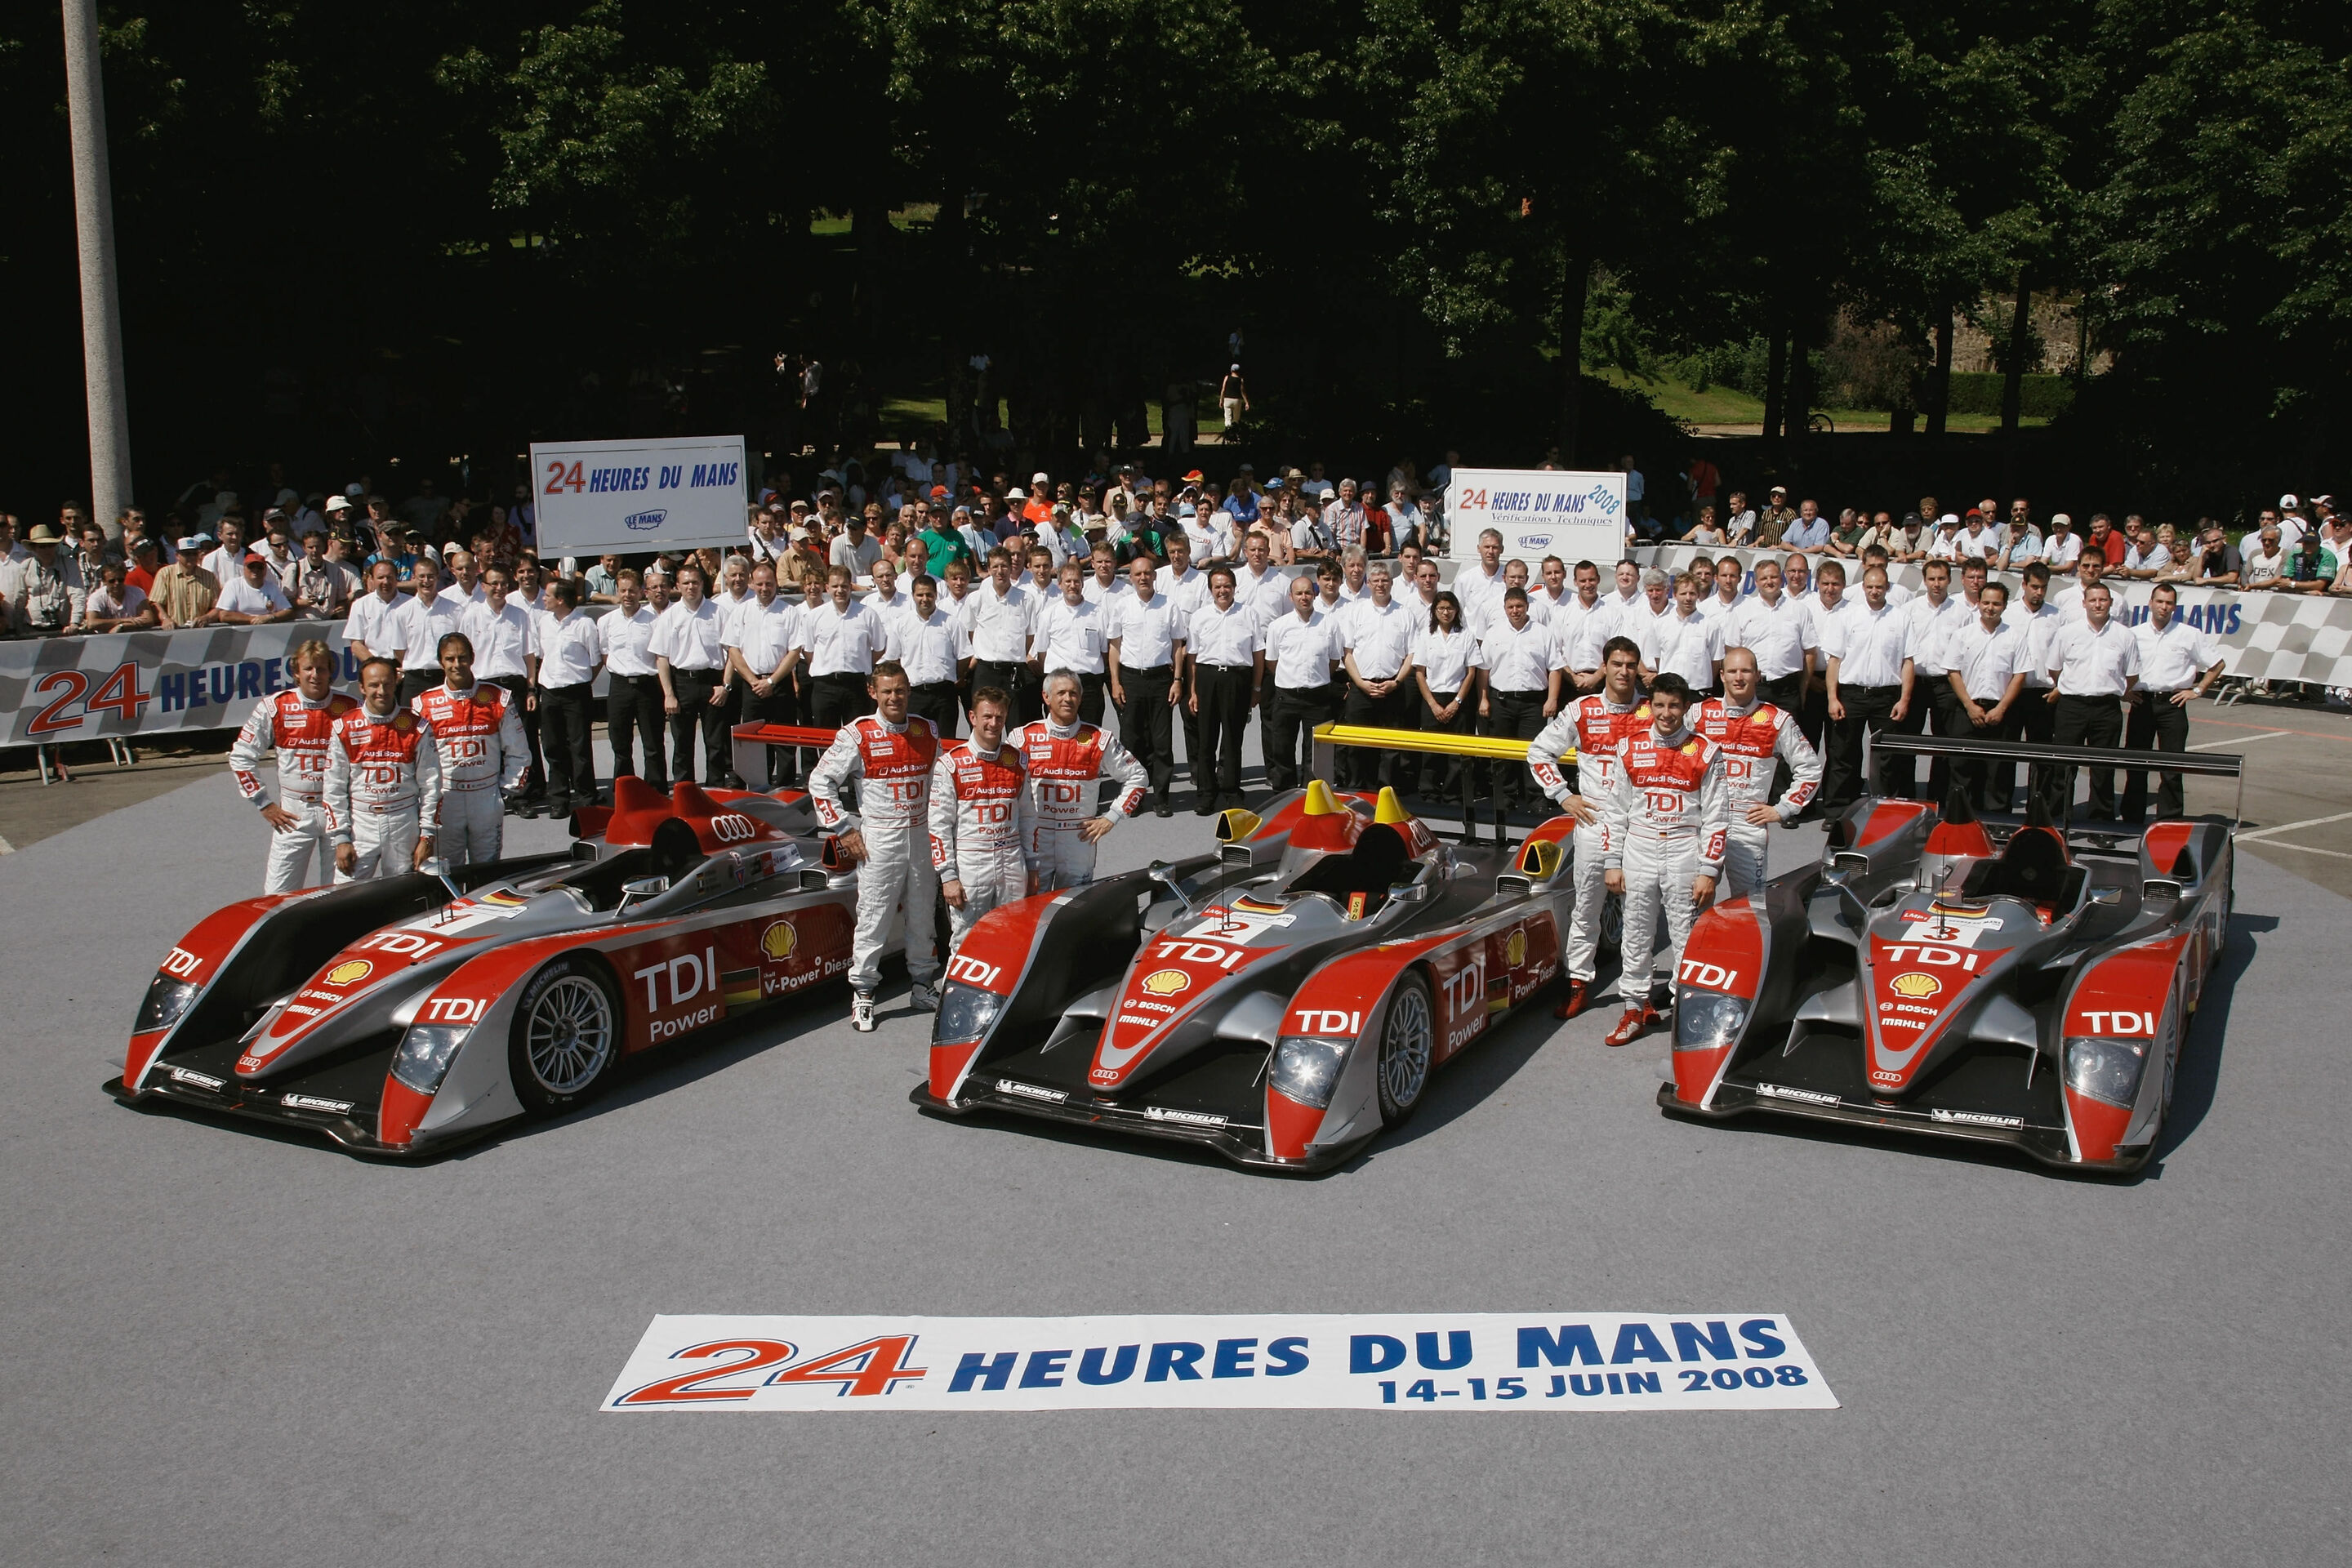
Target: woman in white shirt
(1446, 666)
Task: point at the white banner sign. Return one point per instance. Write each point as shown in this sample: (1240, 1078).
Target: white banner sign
(669, 494)
(1538, 512)
(1478, 1362)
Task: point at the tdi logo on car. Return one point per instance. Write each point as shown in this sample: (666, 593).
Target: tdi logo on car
(685, 977)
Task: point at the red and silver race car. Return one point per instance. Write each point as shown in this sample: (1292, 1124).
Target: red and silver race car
(403, 1015)
(2008, 981)
(1281, 1001)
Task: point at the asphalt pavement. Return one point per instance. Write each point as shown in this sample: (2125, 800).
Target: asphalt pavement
(235, 1347)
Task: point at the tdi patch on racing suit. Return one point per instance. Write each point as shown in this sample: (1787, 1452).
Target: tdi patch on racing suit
(1669, 816)
(1753, 739)
(1064, 765)
(298, 730)
(1592, 726)
(979, 828)
(484, 758)
(891, 767)
(383, 790)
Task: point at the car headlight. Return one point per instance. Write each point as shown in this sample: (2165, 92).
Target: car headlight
(1308, 1070)
(426, 1053)
(966, 1014)
(2105, 1070)
(1707, 1020)
(168, 1001)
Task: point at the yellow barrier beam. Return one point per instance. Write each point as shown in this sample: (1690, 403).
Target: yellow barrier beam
(1439, 742)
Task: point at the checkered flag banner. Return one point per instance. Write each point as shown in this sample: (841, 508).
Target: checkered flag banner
(2264, 634)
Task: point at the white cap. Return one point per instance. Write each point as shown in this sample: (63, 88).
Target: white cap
(2059, 520)
(2289, 502)
(1949, 520)
(1017, 493)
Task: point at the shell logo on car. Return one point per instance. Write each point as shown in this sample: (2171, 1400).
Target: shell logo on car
(1515, 951)
(1916, 984)
(349, 973)
(1166, 982)
(779, 940)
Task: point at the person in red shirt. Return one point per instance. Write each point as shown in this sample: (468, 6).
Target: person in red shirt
(145, 559)
(2106, 538)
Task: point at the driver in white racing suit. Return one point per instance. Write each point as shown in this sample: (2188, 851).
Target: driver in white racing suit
(384, 782)
(297, 725)
(484, 756)
(1669, 814)
(1591, 726)
(980, 818)
(1066, 757)
(889, 756)
(1754, 735)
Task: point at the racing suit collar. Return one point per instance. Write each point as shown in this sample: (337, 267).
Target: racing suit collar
(1682, 732)
(1060, 733)
(460, 691)
(1742, 711)
(899, 729)
(375, 718)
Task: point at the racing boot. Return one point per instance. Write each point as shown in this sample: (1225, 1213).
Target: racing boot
(924, 999)
(1578, 998)
(1632, 1025)
(861, 1011)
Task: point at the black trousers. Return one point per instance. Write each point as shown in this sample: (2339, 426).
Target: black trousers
(1951, 718)
(2155, 724)
(2035, 720)
(1399, 709)
(1900, 776)
(1287, 729)
(1443, 776)
(517, 688)
(937, 702)
(563, 716)
(1988, 784)
(781, 705)
(694, 687)
(836, 700)
(1146, 724)
(632, 713)
(1867, 709)
(416, 683)
(1517, 716)
(1091, 698)
(1012, 678)
(2087, 721)
(1224, 693)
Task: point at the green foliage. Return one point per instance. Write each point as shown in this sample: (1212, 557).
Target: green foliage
(2039, 396)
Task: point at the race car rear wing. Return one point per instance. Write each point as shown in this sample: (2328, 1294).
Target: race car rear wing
(1329, 738)
(2216, 764)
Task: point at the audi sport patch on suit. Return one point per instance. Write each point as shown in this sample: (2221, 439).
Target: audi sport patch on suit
(1479, 1362)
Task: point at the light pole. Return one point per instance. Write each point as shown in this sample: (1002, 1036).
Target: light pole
(101, 318)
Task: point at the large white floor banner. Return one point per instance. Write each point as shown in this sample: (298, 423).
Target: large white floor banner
(1469, 1361)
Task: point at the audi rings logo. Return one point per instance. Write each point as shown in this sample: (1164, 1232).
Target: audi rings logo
(779, 940)
(1915, 984)
(1166, 982)
(730, 829)
(644, 522)
(349, 973)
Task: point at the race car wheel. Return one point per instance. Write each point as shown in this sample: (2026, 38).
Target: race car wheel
(1612, 921)
(1408, 1041)
(566, 1036)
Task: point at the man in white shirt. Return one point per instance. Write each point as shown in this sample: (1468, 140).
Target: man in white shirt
(1934, 614)
(371, 630)
(1988, 660)
(2143, 557)
(890, 596)
(1779, 631)
(1689, 642)
(1871, 680)
(1263, 589)
(1474, 586)
(464, 587)
(633, 698)
(1302, 645)
(1145, 642)
(1578, 628)
(998, 618)
(1068, 635)
(1977, 540)
(690, 659)
(1378, 634)
(427, 618)
(570, 651)
(253, 598)
(2095, 663)
(2178, 662)
(2062, 545)
(928, 642)
(1521, 695)
(760, 642)
(1224, 660)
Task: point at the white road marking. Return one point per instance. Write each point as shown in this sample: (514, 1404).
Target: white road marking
(2310, 849)
(6, 847)
(2291, 827)
(2240, 740)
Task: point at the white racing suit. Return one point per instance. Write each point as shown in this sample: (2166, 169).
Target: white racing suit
(892, 770)
(1064, 766)
(383, 790)
(1753, 739)
(298, 731)
(1591, 726)
(1669, 816)
(980, 829)
(484, 758)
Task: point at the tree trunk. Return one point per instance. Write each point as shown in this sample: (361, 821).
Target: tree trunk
(1776, 372)
(1575, 285)
(1800, 412)
(2012, 385)
(950, 266)
(1939, 376)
